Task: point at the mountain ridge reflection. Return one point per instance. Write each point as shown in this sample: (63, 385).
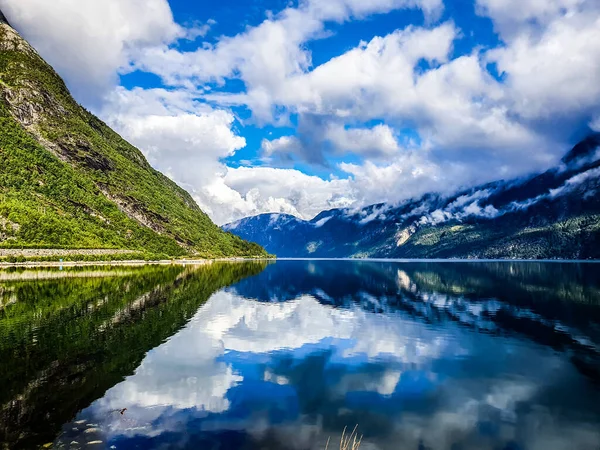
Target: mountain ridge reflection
(65, 340)
(556, 299)
(419, 355)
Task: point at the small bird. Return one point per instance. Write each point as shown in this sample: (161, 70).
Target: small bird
(123, 411)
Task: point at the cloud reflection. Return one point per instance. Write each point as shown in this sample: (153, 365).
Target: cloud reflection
(270, 374)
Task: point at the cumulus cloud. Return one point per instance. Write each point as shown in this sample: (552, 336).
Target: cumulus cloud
(265, 56)
(466, 124)
(247, 191)
(90, 42)
(186, 145)
(179, 136)
(187, 140)
(332, 138)
(376, 141)
(467, 118)
(284, 147)
(511, 16)
(553, 70)
(409, 175)
(340, 10)
(456, 106)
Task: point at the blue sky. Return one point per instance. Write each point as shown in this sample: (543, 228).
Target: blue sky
(297, 107)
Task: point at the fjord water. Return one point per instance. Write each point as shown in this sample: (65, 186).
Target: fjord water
(284, 355)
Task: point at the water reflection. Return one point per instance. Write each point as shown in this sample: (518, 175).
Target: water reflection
(420, 355)
(68, 336)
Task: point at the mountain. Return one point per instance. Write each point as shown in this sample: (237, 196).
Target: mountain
(67, 180)
(555, 214)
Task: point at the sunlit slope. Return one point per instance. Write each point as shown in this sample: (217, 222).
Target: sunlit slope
(68, 180)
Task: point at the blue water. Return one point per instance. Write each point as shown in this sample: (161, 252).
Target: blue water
(429, 355)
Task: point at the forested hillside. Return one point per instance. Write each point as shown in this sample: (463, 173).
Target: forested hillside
(68, 181)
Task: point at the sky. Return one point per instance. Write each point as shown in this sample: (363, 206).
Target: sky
(307, 105)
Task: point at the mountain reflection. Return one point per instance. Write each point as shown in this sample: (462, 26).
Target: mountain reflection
(68, 336)
(556, 302)
(420, 355)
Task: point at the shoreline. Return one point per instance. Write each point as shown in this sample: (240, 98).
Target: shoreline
(132, 262)
(201, 261)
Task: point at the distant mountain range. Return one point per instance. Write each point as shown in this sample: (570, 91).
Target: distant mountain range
(555, 214)
(68, 181)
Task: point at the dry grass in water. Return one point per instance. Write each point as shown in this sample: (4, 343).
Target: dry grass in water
(348, 442)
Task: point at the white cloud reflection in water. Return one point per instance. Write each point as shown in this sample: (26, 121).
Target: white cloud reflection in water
(292, 373)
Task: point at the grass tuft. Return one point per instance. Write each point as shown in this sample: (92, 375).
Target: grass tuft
(348, 441)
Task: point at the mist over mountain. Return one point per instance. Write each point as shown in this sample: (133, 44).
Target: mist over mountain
(555, 214)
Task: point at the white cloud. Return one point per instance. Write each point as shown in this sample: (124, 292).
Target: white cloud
(283, 146)
(468, 127)
(180, 137)
(375, 142)
(553, 71)
(267, 55)
(456, 106)
(188, 145)
(247, 191)
(340, 10)
(341, 85)
(409, 175)
(89, 42)
(187, 140)
(333, 138)
(510, 16)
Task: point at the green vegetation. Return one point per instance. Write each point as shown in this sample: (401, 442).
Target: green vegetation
(63, 342)
(68, 181)
(521, 283)
(572, 238)
(135, 256)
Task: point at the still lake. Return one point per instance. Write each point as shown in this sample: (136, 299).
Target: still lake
(284, 355)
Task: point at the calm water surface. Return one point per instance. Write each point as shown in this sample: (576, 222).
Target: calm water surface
(421, 355)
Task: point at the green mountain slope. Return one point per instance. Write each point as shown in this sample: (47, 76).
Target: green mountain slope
(68, 180)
